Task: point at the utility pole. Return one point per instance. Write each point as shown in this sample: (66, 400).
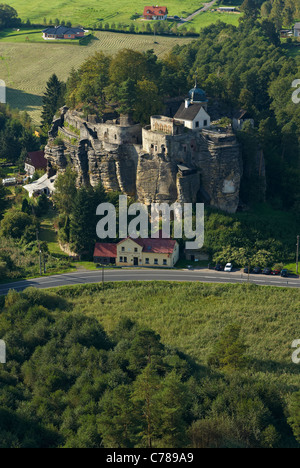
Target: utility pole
(297, 255)
(40, 252)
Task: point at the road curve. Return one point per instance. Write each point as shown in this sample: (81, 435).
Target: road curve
(204, 276)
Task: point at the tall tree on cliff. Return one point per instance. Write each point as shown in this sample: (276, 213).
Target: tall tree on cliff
(53, 99)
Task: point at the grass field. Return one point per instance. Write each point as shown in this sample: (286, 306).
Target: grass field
(191, 316)
(27, 66)
(89, 12)
(210, 17)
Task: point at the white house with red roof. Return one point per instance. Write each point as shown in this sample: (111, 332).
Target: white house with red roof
(138, 253)
(155, 13)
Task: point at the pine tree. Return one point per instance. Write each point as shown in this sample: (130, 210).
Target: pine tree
(52, 100)
(83, 222)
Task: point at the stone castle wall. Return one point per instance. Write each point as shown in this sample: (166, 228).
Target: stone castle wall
(143, 163)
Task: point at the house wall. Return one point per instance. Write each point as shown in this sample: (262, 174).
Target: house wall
(128, 250)
(297, 32)
(29, 169)
(129, 253)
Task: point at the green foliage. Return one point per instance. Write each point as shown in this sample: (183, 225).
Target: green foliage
(8, 17)
(294, 411)
(18, 225)
(3, 201)
(53, 99)
(65, 191)
(68, 384)
(16, 134)
(229, 351)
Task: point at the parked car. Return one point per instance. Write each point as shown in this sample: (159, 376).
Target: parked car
(284, 273)
(275, 272)
(219, 267)
(257, 270)
(247, 270)
(228, 267)
(267, 271)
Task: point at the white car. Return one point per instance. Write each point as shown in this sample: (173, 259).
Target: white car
(228, 267)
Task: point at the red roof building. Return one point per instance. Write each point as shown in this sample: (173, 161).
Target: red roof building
(105, 253)
(138, 252)
(35, 161)
(155, 13)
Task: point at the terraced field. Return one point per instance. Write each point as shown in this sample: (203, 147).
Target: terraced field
(26, 66)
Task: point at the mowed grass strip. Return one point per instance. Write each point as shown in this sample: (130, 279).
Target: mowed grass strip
(27, 66)
(191, 316)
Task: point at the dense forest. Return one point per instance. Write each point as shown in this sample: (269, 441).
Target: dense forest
(68, 384)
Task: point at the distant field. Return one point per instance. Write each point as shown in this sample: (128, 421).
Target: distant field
(89, 12)
(26, 66)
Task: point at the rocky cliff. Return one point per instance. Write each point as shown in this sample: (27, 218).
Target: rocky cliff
(153, 164)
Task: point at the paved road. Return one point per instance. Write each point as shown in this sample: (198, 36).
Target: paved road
(205, 276)
(206, 7)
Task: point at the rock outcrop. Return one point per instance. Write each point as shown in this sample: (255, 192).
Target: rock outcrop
(164, 162)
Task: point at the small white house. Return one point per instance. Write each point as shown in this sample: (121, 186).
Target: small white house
(193, 115)
(297, 30)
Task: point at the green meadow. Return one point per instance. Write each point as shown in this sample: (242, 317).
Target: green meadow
(89, 12)
(191, 316)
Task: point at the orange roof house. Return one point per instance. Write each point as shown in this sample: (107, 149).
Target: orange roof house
(155, 12)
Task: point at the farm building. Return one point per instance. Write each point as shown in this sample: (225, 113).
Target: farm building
(155, 13)
(62, 32)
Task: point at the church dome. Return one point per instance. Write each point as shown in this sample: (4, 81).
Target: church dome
(197, 95)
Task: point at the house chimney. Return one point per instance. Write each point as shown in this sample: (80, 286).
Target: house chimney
(187, 103)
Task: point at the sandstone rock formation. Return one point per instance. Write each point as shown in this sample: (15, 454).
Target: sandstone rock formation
(163, 162)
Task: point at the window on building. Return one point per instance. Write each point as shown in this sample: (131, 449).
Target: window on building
(125, 259)
(205, 123)
(121, 259)
(135, 249)
(164, 262)
(123, 249)
(155, 148)
(155, 261)
(197, 124)
(147, 261)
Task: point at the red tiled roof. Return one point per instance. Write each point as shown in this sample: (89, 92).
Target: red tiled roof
(163, 246)
(105, 250)
(37, 159)
(155, 10)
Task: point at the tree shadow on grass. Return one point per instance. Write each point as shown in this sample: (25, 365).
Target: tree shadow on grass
(18, 99)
